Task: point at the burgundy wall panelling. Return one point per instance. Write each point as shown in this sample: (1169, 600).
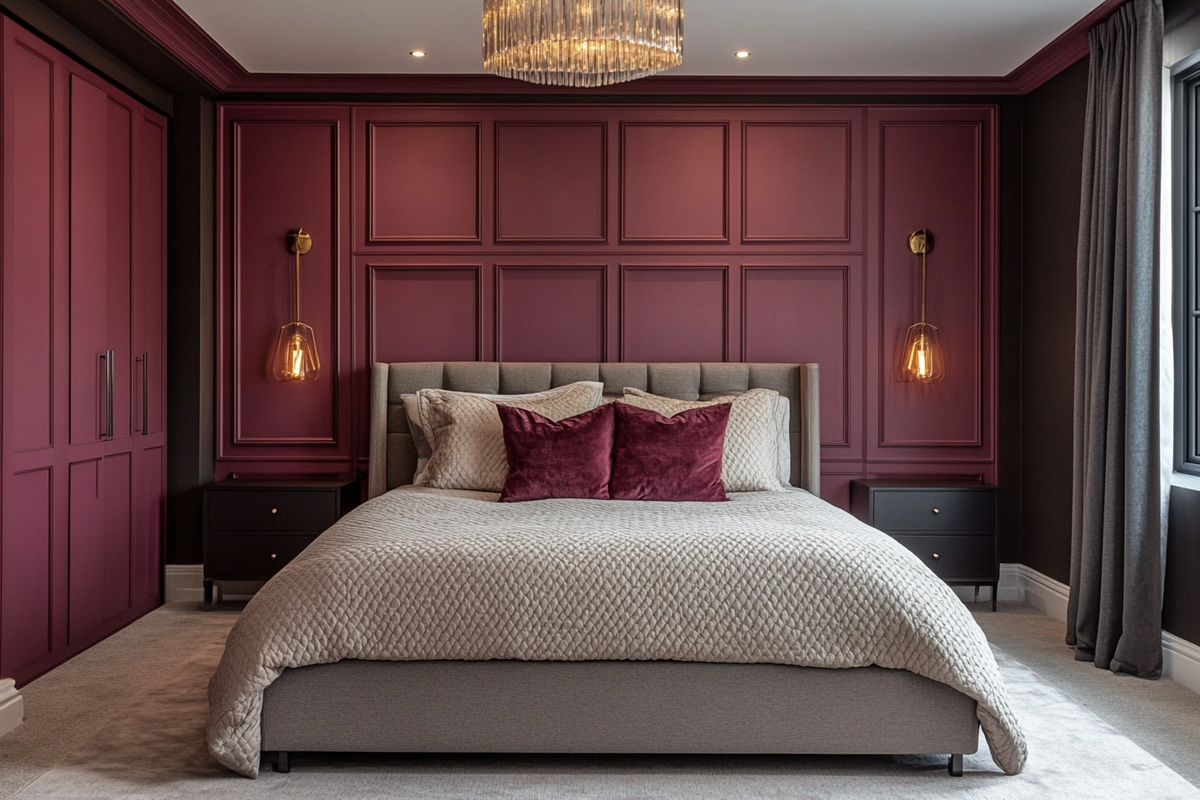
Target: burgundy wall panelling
(76, 561)
(551, 311)
(800, 182)
(644, 232)
(423, 311)
(551, 182)
(933, 168)
(811, 309)
(423, 182)
(675, 181)
(675, 311)
(281, 169)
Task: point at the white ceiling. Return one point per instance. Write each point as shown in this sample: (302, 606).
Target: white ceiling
(786, 37)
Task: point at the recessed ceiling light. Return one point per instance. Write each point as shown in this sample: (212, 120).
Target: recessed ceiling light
(742, 54)
(417, 53)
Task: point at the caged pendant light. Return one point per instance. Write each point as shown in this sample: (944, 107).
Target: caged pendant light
(296, 356)
(921, 358)
(581, 43)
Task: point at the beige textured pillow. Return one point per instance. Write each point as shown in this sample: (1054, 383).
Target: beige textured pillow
(420, 443)
(466, 436)
(751, 459)
(783, 437)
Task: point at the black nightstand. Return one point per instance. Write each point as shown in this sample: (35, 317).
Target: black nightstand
(252, 528)
(949, 525)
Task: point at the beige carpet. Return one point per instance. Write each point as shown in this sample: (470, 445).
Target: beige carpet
(154, 748)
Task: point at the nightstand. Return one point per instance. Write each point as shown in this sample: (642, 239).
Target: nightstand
(253, 528)
(949, 525)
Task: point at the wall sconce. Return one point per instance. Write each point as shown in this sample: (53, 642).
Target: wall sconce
(296, 356)
(921, 358)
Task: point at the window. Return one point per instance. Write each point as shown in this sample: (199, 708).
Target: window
(1186, 101)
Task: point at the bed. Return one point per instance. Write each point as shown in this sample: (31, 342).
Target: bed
(520, 694)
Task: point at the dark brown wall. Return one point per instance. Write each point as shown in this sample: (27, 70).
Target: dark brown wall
(1052, 170)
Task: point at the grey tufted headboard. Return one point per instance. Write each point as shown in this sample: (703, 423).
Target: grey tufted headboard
(393, 459)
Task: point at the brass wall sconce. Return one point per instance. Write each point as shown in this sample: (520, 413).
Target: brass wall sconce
(922, 359)
(296, 357)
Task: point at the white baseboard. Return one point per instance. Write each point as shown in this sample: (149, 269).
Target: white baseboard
(1024, 585)
(183, 582)
(1181, 658)
(12, 706)
(1181, 661)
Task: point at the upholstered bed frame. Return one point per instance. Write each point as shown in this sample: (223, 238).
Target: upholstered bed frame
(606, 706)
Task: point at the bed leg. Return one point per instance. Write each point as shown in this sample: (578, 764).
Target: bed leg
(956, 765)
(283, 762)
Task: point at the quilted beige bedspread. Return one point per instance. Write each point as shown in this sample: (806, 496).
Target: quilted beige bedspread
(771, 577)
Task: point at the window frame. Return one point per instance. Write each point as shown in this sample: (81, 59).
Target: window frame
(1185, 212)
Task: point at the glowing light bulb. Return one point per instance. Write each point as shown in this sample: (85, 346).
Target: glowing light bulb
(922, 355)
(296, 356)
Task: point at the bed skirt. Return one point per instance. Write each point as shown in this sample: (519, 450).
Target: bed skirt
(612, 707)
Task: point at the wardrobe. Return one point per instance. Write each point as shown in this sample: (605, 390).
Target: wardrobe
(82, 411)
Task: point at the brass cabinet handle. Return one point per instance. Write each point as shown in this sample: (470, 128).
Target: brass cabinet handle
(273, 556)
(935, 556)
(274, 510)
(937, 511)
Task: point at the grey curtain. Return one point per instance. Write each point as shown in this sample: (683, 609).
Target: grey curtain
(1114, 616)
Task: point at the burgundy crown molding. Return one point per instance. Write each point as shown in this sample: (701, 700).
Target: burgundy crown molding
(176, 32)
(1061, 53)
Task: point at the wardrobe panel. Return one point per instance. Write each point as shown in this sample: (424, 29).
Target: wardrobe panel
(85, 509)
(89, 225)
(29, 291)
(26, 568)
(117, 336)
(149, 270)
(118, 486)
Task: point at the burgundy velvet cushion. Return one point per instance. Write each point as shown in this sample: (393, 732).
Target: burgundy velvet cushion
(569, 458)
(669, 458)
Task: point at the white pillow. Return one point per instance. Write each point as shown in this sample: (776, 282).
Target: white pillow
(783, 422)
(466, 437)
(750, 462)
(420, 442)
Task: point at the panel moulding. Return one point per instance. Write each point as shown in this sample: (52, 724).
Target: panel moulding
(844, 272)
(847, 183)
(332, 245)
(507, 272)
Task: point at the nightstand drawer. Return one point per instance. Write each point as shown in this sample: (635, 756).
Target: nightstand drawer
(258, 557)
(965, 558)
(932, 510)
(254, 510)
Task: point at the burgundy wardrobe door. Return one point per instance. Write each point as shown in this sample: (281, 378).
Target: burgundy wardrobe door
(31, 408)
(89, 255)
(101, 282)
(149, 286)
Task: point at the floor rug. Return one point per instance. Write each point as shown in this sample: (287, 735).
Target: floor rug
(156, 750)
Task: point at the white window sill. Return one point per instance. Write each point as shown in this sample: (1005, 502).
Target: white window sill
(1185, 481)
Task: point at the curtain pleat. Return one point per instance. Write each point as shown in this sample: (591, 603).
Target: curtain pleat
(1114, 615)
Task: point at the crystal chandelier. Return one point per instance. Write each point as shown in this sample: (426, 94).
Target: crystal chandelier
(581, 43)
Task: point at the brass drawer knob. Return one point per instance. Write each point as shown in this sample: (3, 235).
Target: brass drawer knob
(935, 556)
(273, 556)
(276, 511)
(936, 511)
